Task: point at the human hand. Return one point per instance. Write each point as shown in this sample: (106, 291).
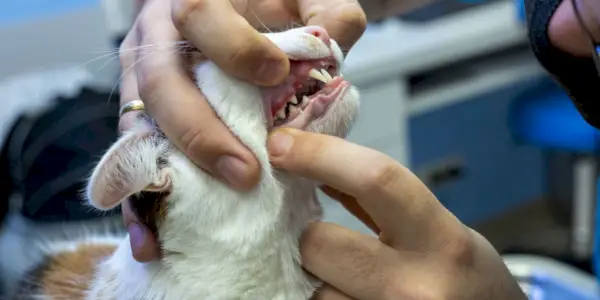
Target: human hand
(423, 251)
(565, 30)
(224, 31)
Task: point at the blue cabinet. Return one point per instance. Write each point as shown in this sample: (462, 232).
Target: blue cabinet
(497, 173)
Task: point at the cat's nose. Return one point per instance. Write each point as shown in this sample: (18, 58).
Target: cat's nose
(319, 32)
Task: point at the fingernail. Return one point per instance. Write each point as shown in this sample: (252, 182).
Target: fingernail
(234, 170)
(271, 72)
(137, 234)
(280, 143)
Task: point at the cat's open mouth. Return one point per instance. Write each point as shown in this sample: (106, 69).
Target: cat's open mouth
(310, 89)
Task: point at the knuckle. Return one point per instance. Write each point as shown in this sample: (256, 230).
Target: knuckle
(459, 251)
(246, 52)
(125, 49)
(183, 10)
(355, 19)
(193, 140)
(381, 177)
(148, 83)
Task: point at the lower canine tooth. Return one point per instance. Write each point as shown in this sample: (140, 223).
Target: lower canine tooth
(326, 75)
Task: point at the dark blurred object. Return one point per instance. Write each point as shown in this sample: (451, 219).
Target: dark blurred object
(47, 157)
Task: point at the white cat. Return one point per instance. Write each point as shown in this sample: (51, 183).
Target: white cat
(217, 243)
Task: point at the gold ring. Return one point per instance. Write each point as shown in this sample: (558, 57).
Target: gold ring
(131, 106)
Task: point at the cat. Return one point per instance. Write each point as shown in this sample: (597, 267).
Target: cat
(216, 242)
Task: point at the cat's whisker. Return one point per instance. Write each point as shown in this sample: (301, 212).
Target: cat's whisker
(116, 50)
(115, 53)
(129, 69)
(261, 22)
(113, 58)
(295, 24)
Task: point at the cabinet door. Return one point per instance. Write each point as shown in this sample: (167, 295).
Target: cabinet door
(497, 173)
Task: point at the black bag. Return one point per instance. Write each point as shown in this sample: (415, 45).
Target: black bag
(47, 158)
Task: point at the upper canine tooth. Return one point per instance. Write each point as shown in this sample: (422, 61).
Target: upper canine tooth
(293, 99)
(326, 75)
(317, 75)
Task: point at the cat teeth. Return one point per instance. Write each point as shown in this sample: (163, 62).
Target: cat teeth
(305, 100)
(281, 113)
(313, 73)
(326, 75)
(293, 99)
(293, 109)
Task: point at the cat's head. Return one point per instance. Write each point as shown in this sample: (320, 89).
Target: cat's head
(144, 166)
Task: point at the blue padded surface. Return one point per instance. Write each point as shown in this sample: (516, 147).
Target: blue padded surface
(546, 287)
(547, 118)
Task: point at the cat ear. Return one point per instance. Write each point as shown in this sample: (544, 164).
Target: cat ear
(130, 166)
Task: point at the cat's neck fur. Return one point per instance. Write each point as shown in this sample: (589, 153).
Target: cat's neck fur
(275, 274)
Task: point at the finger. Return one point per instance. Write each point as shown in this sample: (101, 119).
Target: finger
(344, 20)
(180, 109)
(399, 203)
(128, 120)
(127, 56)
(358, 265)
(144, 246)
(328, 292)
(244, 53)
(350, 204)
(128, 83)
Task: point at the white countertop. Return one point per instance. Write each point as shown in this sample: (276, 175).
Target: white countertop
(396, 47)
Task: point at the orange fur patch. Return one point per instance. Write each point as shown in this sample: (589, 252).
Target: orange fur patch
(68, 275)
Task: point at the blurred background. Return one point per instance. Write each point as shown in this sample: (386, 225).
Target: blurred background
(450, 89)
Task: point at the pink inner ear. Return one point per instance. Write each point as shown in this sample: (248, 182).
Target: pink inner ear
(128, 167)
(162, 185)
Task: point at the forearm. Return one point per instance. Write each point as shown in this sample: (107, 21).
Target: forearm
(566, 33)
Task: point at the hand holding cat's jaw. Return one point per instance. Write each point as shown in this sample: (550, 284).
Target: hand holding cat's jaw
(417, 235)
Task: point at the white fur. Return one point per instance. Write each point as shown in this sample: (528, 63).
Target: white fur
(219, 243)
